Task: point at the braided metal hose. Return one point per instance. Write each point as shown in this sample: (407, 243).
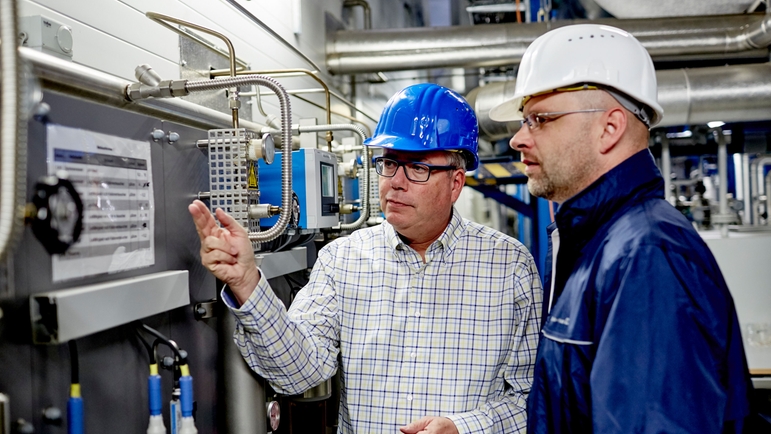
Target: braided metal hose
(13, 132)
(286, 142)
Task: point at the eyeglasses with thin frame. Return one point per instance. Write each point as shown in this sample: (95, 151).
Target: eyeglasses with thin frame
(415, 172)
(535, 120)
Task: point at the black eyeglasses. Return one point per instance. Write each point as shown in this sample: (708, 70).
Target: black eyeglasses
(415, 172)
(535, 120)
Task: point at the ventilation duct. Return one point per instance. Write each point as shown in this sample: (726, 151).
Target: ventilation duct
(371, 51)
(689, 97)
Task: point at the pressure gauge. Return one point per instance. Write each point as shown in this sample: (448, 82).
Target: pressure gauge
(274, 415)
(262, 148)
(268, 148)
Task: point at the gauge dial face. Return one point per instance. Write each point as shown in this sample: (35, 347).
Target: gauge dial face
(274, 415)
(268, 148)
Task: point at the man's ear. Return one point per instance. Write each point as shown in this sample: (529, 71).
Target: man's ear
(614, 127)
(458, 181)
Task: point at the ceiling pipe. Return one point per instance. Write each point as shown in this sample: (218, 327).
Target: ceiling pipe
(735, 93)
(372, 51)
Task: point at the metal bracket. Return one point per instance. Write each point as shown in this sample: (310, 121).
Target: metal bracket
(63, 315)
(205, 310)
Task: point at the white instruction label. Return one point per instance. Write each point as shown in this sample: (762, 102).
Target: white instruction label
(113, 177)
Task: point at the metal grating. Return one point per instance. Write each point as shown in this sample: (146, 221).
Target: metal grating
(374, 194)
(229, 175)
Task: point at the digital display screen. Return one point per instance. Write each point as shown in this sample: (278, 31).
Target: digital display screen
(327, 180)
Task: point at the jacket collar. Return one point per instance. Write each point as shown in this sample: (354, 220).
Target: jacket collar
(635, 179)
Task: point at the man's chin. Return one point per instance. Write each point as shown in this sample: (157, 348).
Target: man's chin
(539, 189)
(395, 218)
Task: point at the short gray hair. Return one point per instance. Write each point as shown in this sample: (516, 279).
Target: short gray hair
(457, 159)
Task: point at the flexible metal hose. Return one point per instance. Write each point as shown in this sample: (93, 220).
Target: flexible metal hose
(13, 135)
(364, 212)
(286, 141)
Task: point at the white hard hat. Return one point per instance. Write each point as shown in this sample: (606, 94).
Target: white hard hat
(593, 54)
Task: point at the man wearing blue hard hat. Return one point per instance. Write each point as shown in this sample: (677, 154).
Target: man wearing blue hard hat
(641, 334)
(432, 320)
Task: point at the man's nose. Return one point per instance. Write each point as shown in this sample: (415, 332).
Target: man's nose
(522, 139)
(399, 179)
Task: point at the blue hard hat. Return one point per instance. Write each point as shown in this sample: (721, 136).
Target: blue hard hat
(428, 117)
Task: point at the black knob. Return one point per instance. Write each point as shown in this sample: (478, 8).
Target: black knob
(58, 219)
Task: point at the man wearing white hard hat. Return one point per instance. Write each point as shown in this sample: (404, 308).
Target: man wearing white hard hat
(642, 334)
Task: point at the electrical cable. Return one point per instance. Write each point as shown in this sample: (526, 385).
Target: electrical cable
(154, 398)
(74, 364)
(147, 346)
(302, 241)
(75, 402)
(289, 240)
(182, 359)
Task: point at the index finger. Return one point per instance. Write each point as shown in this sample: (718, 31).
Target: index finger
(205, 224)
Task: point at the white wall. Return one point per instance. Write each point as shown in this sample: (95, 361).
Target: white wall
(114, 36)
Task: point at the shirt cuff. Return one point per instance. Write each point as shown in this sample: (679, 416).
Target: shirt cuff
(254, 298)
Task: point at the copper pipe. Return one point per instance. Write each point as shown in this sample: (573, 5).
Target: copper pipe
(329, 136)
(350, 118)
(161, 19)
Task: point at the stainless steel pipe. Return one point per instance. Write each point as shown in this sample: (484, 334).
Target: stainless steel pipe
(759, 188)
(83, 82)
(243, 389)
(689, 96)
(722, 171)
(666, 169)
(357, 51)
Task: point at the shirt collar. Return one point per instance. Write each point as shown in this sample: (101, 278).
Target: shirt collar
(446, 240)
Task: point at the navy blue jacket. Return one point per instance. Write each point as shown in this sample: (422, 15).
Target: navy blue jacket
(642, 336)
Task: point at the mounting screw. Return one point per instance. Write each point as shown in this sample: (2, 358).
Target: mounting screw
(52, 416)
(173, 137)
(24, 427)
(157, 134)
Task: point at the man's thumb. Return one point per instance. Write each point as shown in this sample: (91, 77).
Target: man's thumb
(414, 427)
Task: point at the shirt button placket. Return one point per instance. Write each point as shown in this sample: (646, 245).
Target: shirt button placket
(413, 312)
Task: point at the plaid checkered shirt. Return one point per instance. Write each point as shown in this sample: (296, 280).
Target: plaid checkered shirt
(455, 336)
